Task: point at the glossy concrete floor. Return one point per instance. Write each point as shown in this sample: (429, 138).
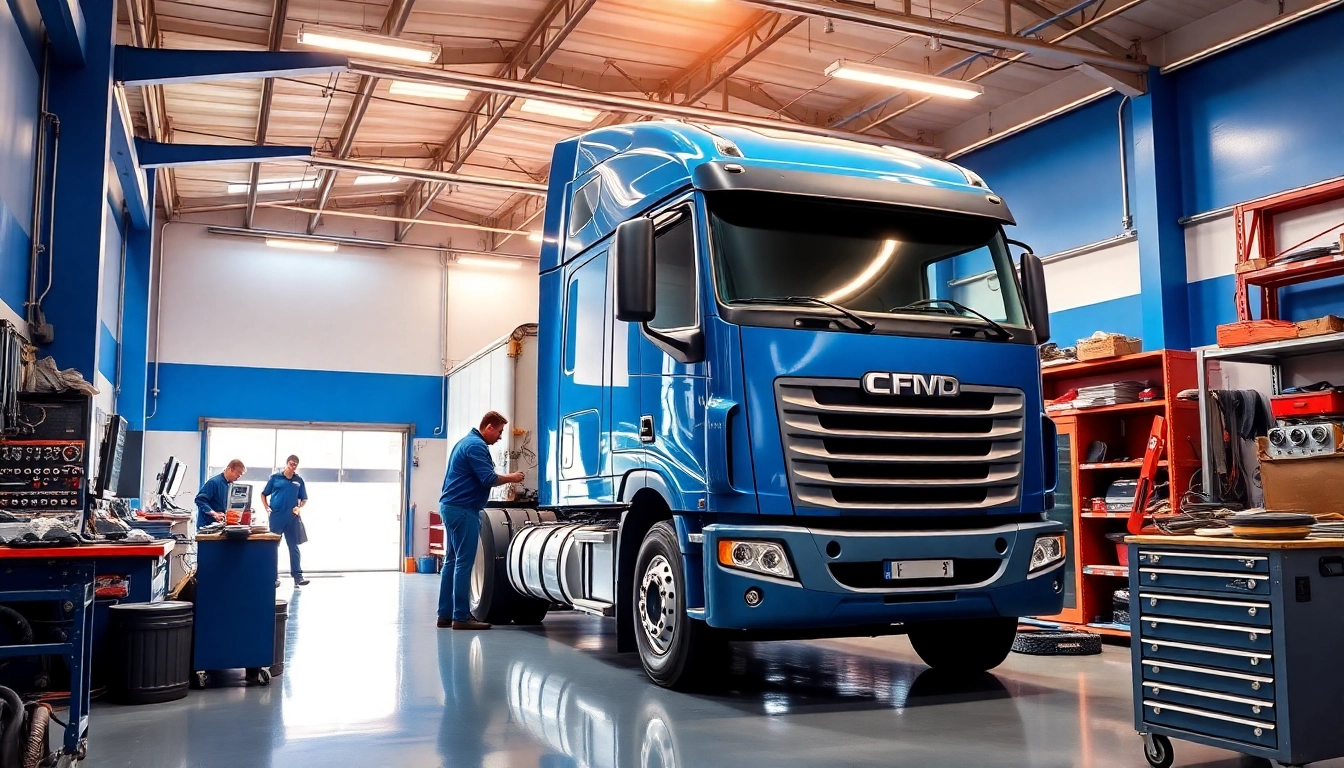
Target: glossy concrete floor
(370, 682)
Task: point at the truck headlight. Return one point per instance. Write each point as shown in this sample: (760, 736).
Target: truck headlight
(764, 557)
(1047, 551)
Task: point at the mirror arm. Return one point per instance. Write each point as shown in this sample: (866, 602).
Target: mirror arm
(686, 346)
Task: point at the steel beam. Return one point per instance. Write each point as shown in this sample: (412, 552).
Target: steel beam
(144, 34)
(555, 24)
(157, 66)
(279, 15)
(155, 154)
(438, 177)
(976, 36)
(134, 183)
(393, 24)
(66, 30)
(611, 102)
(1054, 17)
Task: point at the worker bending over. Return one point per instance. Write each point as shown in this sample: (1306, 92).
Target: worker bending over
(466, 488)
(213, 499)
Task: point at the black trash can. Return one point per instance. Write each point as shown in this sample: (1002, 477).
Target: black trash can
(281, 622)
(151, 652)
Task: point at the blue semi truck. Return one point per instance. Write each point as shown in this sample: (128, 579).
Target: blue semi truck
(787, 388)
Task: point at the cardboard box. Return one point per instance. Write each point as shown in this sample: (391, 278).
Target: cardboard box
(1303, 484)
(1320, 326)
(1107, 347)
(1251, 265)
(1245, 332)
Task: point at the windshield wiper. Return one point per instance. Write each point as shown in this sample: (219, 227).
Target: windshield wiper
(932, 304)
(863, 325)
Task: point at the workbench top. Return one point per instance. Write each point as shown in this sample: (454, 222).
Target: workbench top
(90, 552)
(222, 537)
(1232, 542)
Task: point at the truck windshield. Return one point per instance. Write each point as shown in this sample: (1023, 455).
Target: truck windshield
(864, 257)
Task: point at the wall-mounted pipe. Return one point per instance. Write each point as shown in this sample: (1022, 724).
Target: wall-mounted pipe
(158, 317)
(51, 207)
(121, 303)
(1126, 218)
(443, 344)
(39, 183)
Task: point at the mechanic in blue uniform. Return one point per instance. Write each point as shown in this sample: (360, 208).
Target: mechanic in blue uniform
(283, 496)
(466, 488)
(213, 498)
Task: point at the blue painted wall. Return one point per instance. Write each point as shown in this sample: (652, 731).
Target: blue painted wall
(190, 393)
(1061, 179)
(19, 103)
(1262, 118)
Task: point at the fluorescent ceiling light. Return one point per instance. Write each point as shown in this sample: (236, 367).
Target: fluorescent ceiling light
(865, 277)
(428, 90)
(563, 111)
(472, 261)
(380, 46)
(281, 185)
(910, 81)
(535, 237)
(371, 179)
(302, 245)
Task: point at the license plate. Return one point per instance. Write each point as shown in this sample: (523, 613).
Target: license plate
(919, 569)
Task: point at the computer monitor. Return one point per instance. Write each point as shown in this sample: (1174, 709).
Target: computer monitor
(175, 484)
(170, 478)
(109, 457)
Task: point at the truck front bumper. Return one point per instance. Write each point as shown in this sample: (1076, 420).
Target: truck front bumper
(840, 581)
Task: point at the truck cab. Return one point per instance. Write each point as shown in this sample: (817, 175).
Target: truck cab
(787, 387)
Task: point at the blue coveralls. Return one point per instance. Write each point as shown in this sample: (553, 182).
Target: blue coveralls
(283, 495)
(466, 488)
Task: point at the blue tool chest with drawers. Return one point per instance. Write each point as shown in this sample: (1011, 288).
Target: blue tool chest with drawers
(1239, 645)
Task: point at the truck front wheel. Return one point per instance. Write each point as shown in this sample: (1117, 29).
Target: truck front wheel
(677, 651)
(966, 646)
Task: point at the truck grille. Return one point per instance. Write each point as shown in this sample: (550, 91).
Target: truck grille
(849, 450)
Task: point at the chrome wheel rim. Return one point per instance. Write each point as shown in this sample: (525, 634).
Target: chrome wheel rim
(658, 604)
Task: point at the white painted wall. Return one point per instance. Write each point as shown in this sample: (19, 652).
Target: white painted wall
(1211, 246)
(186, 448)
(1073, 281)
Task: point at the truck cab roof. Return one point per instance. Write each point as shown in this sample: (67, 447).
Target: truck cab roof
(612, 174)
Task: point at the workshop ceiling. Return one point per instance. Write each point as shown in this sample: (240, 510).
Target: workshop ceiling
(635, 48)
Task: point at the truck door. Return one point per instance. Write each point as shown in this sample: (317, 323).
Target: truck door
(673, 393)
(585, 477)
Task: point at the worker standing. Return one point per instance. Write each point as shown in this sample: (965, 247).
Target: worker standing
(213, 498)
(466, 487)
(284, 495)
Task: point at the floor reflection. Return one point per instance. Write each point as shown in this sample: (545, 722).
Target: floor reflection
(370, 682)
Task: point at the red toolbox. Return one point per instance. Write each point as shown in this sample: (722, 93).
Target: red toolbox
(1308, 404)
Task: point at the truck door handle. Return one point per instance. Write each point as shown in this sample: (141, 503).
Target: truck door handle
(646, 429)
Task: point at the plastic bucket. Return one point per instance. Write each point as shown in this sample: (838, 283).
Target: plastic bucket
(409, 566)
(428, 564)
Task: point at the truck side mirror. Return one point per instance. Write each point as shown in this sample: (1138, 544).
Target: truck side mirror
(1033, 288)
(633, 250)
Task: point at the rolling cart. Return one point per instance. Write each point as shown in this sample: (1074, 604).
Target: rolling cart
(235, 606)
(1236, 645)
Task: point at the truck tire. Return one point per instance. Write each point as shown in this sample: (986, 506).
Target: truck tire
(493, 599)
(677, 652)
(967, 646)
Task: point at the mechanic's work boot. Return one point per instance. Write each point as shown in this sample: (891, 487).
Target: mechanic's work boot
(470, 624)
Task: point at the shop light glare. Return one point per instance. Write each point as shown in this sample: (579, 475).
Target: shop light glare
(279, 185)
(909, 81)
(472, 261)
(301, 245)
(562, 111)
(535, 237)
(373, 179)
(427, 90)
(379, 46)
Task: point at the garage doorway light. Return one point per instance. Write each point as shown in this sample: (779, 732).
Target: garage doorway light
(427, 90)
(472, 261)
(302, 245)
(380, 46)
(372, 179)
(279, 185)
(909, 81)
(562, 111)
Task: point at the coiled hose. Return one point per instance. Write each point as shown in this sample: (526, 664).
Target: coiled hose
(13, 730)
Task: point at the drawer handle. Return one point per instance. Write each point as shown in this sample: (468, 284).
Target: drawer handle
(1255, 685)
(1250, 611)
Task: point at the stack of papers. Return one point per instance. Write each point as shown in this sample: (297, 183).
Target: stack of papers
(1118, 393)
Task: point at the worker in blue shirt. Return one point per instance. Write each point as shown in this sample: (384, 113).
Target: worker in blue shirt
(213, 498)
(466, 487)
(284, 495)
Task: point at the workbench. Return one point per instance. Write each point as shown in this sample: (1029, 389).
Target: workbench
(1236, 645)
(65, 575)
(235, 605)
